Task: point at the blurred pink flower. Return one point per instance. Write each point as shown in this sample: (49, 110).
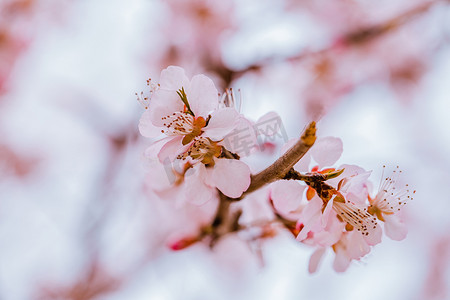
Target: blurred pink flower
(194, 35)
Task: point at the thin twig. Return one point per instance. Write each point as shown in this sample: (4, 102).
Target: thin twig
(283, 164)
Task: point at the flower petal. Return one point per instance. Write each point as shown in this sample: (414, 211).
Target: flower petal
(242, 139)
(231, 177)
(326, 151)
(326, 212)
(202, 95)
(356, 188)
(341, 261)
(357, 245)
(171, 149)
(195, 189)
(315, 260)
(146, 127)
(310, 217)
(394, 228)
(374, 236)
(161, 176)
(222, 122)
(330, 235)
(173, 78)
(163, 104)
(286, 195)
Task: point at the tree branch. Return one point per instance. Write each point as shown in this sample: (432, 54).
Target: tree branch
(283, 164)
(225, 222)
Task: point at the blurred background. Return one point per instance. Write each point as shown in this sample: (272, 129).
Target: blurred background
(75, 219)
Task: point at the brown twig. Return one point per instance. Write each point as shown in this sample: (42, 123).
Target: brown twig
(225, 222)
(283, 164)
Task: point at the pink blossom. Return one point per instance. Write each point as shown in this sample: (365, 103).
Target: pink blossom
(353, 187)
(348, 204)
(350, 246)
(230, 176)
(316, 216)
(195, 183)
(188, 113)
(194, 36)
(353, 183)
(387, 205)
(323, 235)
(286, 195)
(184, 109)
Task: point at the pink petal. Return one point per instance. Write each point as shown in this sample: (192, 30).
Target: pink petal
(222, 122)
(326, 151)
(394, 228)
(315, 259)
(163, 104)
(146, 127)
(152, 151)
(171, 149)
(286, 195)
(160, 177)
(195, 189)
(231, 177)
(357, 245)
(173, 78)
(374, 236)
(350, 171)
(202, 95)
(330, 235)
(313, 207)
(341, 261)
(326, 213)
(310, 217)
(242, 140)
(356, 188)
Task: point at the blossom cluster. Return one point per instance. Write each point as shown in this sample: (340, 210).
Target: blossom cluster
(188, 114)
(324, 206)
(336, 207)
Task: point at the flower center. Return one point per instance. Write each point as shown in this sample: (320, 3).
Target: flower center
(389, 198)
(178, 123)
(203, 150)
(356, 217)
(182, 123)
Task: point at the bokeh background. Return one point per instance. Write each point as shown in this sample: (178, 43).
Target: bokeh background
(75, 220)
